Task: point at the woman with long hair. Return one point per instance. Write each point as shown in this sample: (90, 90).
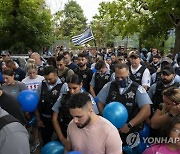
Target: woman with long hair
(171, 134)
(170, 108)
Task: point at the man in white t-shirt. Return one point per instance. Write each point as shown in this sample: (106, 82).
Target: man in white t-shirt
(139, 73)
(88, 132)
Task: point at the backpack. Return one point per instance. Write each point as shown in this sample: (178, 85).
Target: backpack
(7, 119)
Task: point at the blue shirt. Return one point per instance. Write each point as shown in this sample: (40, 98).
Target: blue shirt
(142, 98)
(56, 106)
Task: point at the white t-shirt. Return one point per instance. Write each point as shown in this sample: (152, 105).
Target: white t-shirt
(146, 78)
(32, 84)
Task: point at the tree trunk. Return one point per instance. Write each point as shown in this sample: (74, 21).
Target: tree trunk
(177, 39)
(16, 8)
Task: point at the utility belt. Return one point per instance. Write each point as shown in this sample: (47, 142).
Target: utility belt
(46, 115)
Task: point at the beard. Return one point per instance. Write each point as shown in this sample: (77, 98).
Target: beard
(81, 65)
(164, 81)
(84, 124)
(52, 83)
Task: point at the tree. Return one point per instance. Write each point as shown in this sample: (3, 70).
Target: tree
(24, 25)
(73, 21)
(167, 15)
(103, 27)
(151, 19)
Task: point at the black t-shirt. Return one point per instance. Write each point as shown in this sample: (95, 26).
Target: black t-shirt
(12, 106)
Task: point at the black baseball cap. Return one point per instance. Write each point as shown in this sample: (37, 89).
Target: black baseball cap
(168, 70)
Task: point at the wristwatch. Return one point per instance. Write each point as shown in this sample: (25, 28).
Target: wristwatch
(129, 125)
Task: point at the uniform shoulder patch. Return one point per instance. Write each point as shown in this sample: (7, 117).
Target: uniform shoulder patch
(141, 89)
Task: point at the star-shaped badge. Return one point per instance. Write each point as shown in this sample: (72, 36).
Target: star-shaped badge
(130, 94)
(84, 76)
(54, 92)
(106, 77)
(138, 74)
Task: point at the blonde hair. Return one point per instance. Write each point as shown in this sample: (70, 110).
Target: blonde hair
(173, 93)
(30, 60)
(31, 66)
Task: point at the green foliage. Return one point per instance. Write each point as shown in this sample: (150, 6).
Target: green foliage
(25, 24)
(73, 21)
(151, 19)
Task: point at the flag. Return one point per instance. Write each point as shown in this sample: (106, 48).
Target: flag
(86, 36)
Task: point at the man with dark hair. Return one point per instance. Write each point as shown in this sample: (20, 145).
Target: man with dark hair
(88, 132)
(68, 61)
(157, 75)
(19, 73)
(132, 95)
(100, 78)
(64, 73)
(155, 64)
(49, 91)
(167, 80)
(83, 71)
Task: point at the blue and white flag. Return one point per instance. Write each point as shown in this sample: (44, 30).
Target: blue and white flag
(86, 36)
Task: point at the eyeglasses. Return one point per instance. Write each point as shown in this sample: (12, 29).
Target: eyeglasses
(176, 130)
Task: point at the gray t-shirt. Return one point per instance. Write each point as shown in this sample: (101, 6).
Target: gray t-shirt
(14, 138)
(14, 89)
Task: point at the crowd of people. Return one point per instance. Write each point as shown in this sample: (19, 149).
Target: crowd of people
(73, 91)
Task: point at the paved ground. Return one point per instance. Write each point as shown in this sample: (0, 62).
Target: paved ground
(38, 151)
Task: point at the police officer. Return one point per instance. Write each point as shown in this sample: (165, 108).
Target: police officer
(61, 115)
(49, 92)
(139, 73)
(132, 95)
(64, 72)
(167, 80)
(83, 71)
(100, 78)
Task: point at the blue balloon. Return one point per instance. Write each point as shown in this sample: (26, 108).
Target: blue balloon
(145, 131)
(127, 150)
(74, 152)
(53, 147)
(116, 113)
(142, 146)
(28, 100)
